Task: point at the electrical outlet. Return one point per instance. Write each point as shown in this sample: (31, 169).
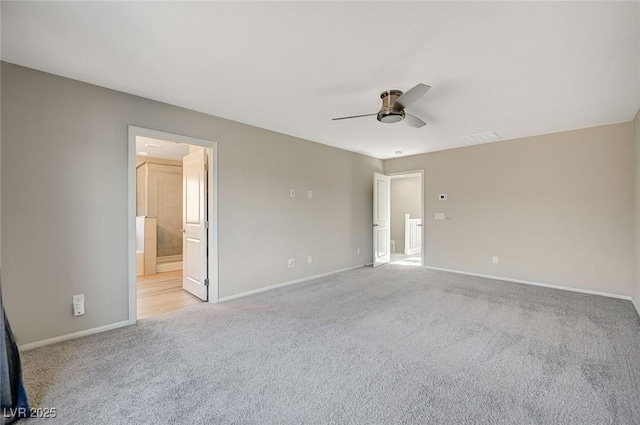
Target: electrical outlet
(439, 216)
(309, 260)
(78, 305)
(292, 262)
(494, 260)
(309, 194)
(292, 193)
(358, 251)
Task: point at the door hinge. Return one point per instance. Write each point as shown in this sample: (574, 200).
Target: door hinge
(206, 224)
(206, 282)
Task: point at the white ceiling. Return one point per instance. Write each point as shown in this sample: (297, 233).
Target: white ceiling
(156, 148)
(518, 69)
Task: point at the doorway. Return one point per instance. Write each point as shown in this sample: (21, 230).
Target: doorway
(406, 219)
(398, 219)
(172, 222)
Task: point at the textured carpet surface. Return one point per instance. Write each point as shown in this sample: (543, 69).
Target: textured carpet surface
(394, 345)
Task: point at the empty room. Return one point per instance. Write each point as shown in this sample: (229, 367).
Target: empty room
(320, 212)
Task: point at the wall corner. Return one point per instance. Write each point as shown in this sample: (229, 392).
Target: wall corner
(635, 291)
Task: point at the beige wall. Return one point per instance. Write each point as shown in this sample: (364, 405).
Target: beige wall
(636, 215)
(405, 199)
(0, 153)
(555, 209)
(64, 201)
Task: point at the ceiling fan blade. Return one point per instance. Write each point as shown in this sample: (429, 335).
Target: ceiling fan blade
(412, 95)
(413, 121)
(354, 116)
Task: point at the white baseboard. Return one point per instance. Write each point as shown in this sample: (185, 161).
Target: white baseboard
(32, 345)
(545, 285)
(636, 305)
(168, 267)
(74, 335)
(104, 328)
(291, 282)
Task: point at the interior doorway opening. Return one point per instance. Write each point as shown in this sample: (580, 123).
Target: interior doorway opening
(173, 222)
(406, 219)
(398, 211)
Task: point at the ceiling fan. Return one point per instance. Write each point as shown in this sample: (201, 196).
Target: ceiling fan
(393, 104)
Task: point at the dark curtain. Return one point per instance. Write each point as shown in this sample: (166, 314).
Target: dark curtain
(13, 397)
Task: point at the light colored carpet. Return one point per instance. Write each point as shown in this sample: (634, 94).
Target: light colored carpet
(394, 345)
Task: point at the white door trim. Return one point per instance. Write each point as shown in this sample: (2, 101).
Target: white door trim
(131, 210)
(418, 173)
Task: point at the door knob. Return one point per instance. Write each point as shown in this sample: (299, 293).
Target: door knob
(183, 231)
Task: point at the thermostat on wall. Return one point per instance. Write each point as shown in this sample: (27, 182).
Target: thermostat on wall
(442, 197)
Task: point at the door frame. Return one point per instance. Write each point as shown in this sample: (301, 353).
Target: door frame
(212, 214)
(424, 218)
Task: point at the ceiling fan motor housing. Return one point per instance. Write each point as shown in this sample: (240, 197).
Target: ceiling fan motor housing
(391, 111)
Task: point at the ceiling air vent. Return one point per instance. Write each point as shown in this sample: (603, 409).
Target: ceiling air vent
(476, 139)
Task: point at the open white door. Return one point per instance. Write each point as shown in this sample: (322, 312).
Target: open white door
(381, 219)
(194, 222)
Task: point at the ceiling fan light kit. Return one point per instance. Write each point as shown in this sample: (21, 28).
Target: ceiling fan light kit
(391, 111)
(393, 104)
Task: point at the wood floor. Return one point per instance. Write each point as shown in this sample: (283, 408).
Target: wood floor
(161, 293)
